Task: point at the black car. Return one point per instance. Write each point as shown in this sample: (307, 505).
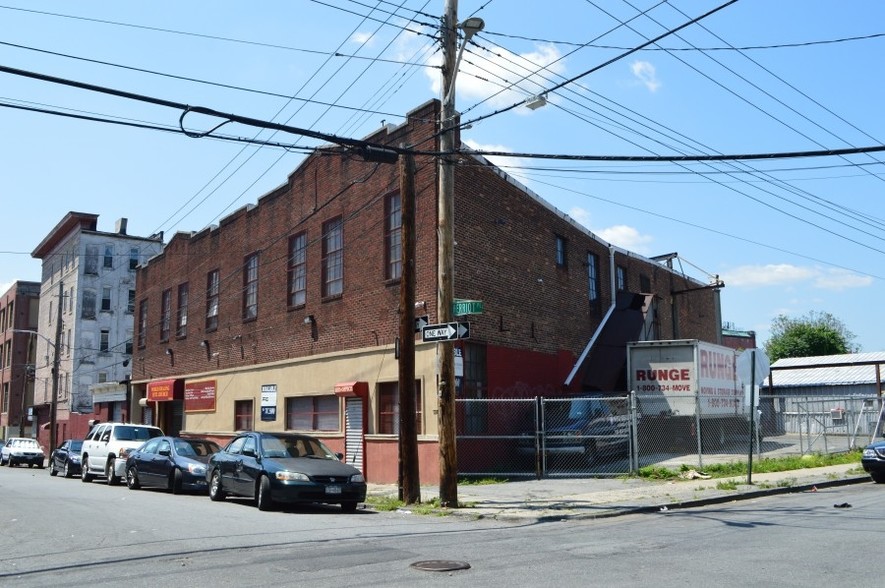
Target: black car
(174, 463)
(66, 458)
(873, 461)
(280, 467)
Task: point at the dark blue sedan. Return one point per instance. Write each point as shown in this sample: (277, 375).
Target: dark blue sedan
(174, 463)
(278, 467)
(873, 461)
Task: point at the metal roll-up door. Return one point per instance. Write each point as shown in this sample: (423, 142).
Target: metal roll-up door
(353, 432)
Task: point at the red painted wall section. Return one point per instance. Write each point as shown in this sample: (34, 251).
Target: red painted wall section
(382, 461)
(518, 373)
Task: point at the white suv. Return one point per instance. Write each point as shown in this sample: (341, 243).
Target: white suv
(106, 447)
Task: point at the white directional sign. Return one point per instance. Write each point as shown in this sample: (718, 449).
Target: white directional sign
(445, 332)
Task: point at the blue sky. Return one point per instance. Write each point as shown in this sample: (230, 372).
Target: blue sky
(786, 235)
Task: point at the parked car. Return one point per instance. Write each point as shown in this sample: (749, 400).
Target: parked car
(873, 461)
(66, 458)
(106, 448)
(174, 463)
(277, 467)
(21, 450)
(581, 431)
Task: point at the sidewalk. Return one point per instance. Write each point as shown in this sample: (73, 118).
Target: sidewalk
(588, 498)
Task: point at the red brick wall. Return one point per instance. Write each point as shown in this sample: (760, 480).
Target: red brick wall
(504, 255)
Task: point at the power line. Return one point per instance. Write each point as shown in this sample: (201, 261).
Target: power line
(692, 49)
(604, 64)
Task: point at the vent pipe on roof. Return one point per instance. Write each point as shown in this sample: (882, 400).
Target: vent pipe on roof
(121, 226)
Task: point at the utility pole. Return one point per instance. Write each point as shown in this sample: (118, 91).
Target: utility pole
(448, 459)
(53, 406)
(410, 481)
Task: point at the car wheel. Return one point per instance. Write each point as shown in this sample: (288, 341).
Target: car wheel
(878, 477)
(52, 470)
(349, 506)
(263, 499)
(113, 478)
(41, 465)
(85, 476)
(66, 472)
(175, 481)
(216, 492)
(132, 479)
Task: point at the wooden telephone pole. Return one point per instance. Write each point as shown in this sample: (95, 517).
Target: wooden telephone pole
(410, 481)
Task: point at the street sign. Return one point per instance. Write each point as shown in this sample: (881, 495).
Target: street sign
(445, 332)
(461, 307)
(421, 322)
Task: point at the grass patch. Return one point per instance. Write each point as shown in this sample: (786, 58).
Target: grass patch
(726, 485)
(481, 481)
(383, 503)
(761, 466)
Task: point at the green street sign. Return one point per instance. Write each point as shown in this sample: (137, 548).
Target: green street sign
(462, 307)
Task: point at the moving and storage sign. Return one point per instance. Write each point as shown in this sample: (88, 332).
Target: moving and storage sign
(199, 396)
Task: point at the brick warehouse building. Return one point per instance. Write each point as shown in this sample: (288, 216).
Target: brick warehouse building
(18, 327)
(285, 315)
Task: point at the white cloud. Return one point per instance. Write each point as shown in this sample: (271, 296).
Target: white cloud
(645, 72)
(492, 75)
(361, 38)
(581, 215)
(626, 237)
(785, 274)
(620, 235)
(505, 163)
(839, 279)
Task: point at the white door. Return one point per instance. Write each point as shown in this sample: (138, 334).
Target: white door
(353, 432)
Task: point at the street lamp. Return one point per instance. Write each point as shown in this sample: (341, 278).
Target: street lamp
(448, 466)
(53, 404)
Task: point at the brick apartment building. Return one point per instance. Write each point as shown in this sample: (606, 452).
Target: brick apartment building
(285, 315)
(18, 326)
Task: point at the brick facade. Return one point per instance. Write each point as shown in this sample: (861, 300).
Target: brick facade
(537, 316)
(18, 315)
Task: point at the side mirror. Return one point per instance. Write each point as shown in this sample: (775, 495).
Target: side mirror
(166, 452)
(340, 456)
(249, 453)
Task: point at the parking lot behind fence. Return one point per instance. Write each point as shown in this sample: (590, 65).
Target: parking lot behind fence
(616, 435)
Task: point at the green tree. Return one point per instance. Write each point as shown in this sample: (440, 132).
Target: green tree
(816, 333)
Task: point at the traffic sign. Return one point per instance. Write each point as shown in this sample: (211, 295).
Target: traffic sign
(445, 332)
(461, 307)
(421, 322)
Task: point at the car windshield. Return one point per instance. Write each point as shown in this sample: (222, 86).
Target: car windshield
(130, 433)
(195, 447)
(295, 446)
(25, 443)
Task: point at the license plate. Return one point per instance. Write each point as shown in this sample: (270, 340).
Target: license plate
(333, 489)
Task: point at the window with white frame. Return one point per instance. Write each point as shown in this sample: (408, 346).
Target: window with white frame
(297, 288)
(393, 247)
(250, 287)
(333, 257)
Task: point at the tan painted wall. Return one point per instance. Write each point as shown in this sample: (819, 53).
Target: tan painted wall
(314, 375)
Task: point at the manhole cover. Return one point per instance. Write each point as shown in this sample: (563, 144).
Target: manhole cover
(441, 565)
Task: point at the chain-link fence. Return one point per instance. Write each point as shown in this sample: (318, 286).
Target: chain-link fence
(616, 435)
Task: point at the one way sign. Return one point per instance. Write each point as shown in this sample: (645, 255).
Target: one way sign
(445, 332)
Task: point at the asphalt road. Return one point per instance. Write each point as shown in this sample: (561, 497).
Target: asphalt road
(63, 532)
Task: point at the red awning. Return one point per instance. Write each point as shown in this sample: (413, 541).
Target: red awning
(163, 390)
(360, 389)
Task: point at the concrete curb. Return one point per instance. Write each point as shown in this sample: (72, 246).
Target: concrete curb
(612, 511)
